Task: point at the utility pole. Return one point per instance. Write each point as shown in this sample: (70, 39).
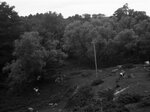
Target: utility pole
(95, 57)
(101, 100)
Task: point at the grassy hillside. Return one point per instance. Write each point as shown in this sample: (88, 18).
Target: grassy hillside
(55, 97)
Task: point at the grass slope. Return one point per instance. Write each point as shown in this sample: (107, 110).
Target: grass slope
(136, 78)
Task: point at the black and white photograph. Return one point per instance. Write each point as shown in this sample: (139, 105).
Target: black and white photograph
(74, 56)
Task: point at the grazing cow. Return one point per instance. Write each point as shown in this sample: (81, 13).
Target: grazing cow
(122, 73)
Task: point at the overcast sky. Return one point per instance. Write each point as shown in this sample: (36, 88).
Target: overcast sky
(72, 7)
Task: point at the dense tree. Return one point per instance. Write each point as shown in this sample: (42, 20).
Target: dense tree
(76, 38)
(98, 16)
(31, 58)
(121, 12)
(46, 24)
(71, 19)
(126, 42)
(9, 31)
(29, 61)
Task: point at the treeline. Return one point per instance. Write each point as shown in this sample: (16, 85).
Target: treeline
(38, 43)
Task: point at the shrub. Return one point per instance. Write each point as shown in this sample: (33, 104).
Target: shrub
(107, 94)
(75, 73)
(128, 66)
(145, 102)
(90, 104)
(92, 107)
(115, 107)
(97, 82)
(81, 98)
(105, 106)
(128, 98)
(86, 74)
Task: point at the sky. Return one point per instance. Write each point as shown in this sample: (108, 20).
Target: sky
(72, 7)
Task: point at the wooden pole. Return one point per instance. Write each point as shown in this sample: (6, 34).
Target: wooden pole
(95, 58)
(101, 105)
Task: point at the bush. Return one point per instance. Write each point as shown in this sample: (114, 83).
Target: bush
(81, 98)
(128, 66)
(93, 106)
(128, 98)
(145, 102)
(86, 74)
(97, 82)
(107, 94)
(105, 106)
(115, 107)
(85, 102)
(75, 73)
